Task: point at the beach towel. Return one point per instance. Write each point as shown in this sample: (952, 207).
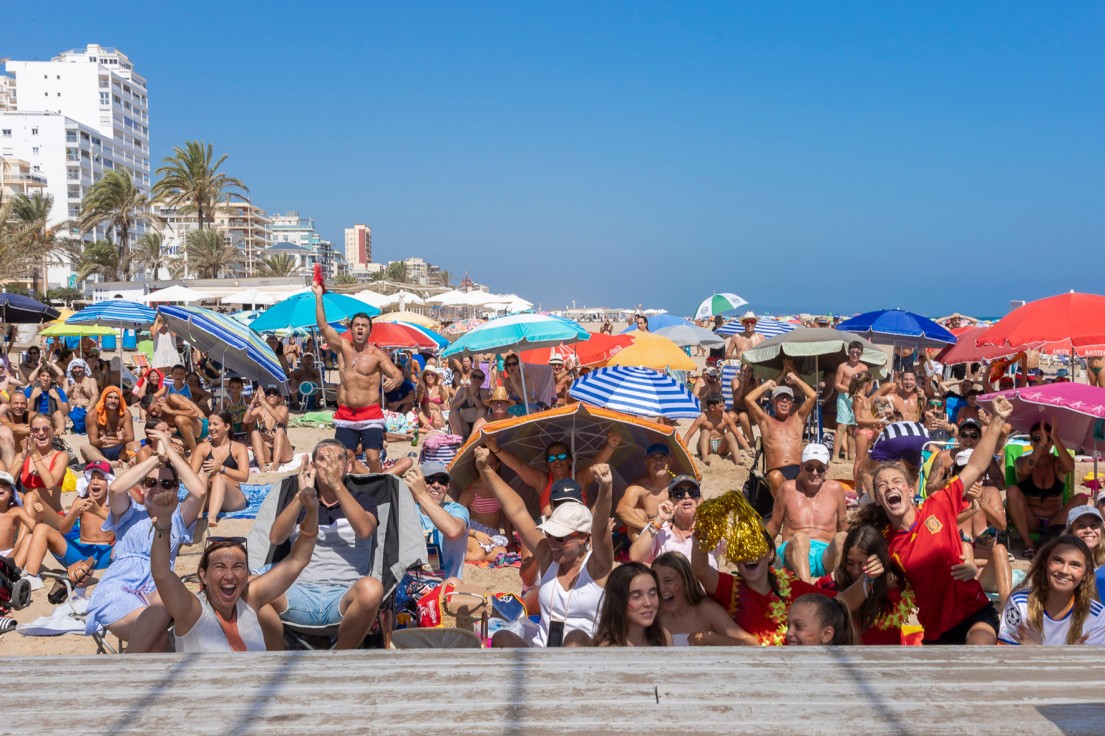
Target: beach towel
(440, 447)
(62, 620)
(291, 466)
(255, 494)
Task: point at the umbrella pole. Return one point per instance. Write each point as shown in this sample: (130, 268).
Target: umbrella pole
(525, 394)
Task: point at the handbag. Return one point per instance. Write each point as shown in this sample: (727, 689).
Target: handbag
(757, 491)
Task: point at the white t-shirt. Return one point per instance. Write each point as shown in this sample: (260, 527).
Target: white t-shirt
(665, 541)
(1055, 631)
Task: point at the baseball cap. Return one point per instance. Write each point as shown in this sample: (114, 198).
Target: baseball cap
(566, 519)
(1079, 511)
(97, 465)
(434, 467)
(565, 490)
(963, 457)
(681, 479)
(1098, 501)
(7, 478)
(816, 452)
(711, 371)
(657, 448)
(782, 391)
(971, 421)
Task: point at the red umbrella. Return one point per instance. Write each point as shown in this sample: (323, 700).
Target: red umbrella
(393, 335)
(1070, 320)
(598, 349)
(966, 351)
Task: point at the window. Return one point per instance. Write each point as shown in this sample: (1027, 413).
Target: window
(105, 98)
(7, 132)
(34, 131)
(71, 136)
(34, 150)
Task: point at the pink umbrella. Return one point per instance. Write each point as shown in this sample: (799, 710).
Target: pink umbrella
(1075, 411)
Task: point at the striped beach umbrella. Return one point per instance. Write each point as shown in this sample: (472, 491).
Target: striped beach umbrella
(226, 340)
(765, 327)
(118, 313)
(641, 392)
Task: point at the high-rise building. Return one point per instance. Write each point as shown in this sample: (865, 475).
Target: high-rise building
(358, 247)
(292, 228)
(242, 223)
(73, 118)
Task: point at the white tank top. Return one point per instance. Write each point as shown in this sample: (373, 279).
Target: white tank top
(207, 635)
(578, 608)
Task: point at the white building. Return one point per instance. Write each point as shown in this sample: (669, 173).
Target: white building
(7, 92)
(242, 223)
(292, 228)
(358, 248)
(73, 118)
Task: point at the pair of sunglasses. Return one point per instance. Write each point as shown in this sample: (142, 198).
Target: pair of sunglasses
(971, 435)
(679, 494)
(818, 469)
(439, 480)
(558, 456)
(225, 542)
(166, 483)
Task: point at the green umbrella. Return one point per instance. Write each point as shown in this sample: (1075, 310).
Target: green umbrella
(719, 304)
(61, 329)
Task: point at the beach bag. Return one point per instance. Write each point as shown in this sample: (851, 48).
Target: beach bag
(757, 490)
(455, 606)
(78, 414)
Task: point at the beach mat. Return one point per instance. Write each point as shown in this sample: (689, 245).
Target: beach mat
(255, 494)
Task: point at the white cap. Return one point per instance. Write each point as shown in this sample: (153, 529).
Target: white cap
(816, 452)
(963, 457)
(566, 519)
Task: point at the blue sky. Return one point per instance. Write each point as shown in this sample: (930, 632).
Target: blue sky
(808, 156)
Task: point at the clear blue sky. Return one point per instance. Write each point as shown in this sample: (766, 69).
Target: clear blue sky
(808, 156)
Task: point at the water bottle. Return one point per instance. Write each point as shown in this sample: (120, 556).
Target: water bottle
(414, 439)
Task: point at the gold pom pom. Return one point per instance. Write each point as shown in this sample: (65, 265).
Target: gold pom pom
(731, 518)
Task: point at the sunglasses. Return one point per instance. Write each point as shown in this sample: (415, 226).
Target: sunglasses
(936, 403)
(438, 480)
(678, 494)
(213, 542)
(40, 430)
(560, 540)
(512, 365)
(271, 392)
(970, 435)
(558, 456)
(784, 397)
(166, 483)
(814, 469)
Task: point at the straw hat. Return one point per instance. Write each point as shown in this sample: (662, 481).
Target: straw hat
(500, 394)
(749, 317)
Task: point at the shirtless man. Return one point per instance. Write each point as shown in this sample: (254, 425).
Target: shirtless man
(181, 413)
(306, 372)
(711, 384)
(31, 364)
(813, 515)
(109, 432)
(742, 384)
(781, 434)
(717, 432)
(642, 498)
(907, 396)
(82, 391)
(744, 340)
(845, 417)
(562, 377)
(360, 418)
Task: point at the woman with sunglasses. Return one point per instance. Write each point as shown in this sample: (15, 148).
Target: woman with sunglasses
(1088, 524)
(1036, 501)
(127, 591)
(575, 555)
(222, 617)
(673, 528)
(225, 464)
(42, 470)
(269, 415)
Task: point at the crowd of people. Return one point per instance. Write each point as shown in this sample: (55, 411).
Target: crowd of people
(898, 548)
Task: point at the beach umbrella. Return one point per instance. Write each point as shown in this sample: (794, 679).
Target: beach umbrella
(16, 309)
(899, 328)
(641, 392)
(462, 326)
(650, 350)
(585, 430)
(719, 304)
(402, 298)
(451, 298)
(690, 335)
(233, 344)
(252, 296)
(1072, 320)
(174, 294)
(299, 311)
(395, 336)
(659, 322)
(598, 349)
(246, 316)
(438, 339)
(375, 298)
(813, 350)
(60, 329)
(121, 314)
(412, 317)
(765, 327)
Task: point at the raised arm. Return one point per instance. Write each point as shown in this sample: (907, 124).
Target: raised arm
(270, 585)
(988, 445)
(807, 406)
(752, 400)
(641, 549)
(514, 508)
(183, 607)
(193, 482)
(118, 498)
(530, 475)
(364, 523)
(450, 526)
(700, 564)
(602, 545)
(1066, 460)
(333, 339)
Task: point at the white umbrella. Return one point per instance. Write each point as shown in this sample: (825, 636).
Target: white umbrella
(402, 298)
(452, 298)
(176, 294)
(251, 296)
(375, 298)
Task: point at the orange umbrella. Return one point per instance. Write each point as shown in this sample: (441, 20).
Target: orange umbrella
(653, 351)
(599, 348)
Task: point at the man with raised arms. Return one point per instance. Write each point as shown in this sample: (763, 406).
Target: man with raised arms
(781, 434)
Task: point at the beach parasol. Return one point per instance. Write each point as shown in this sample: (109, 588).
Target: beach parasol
(462, 326)
(174, 294)
(401, 299)
(598, 349)
(659, 322)
(16, 309)
(298, 311)
(691, 335)
(719, 304)
(254, 297)
(650, 350)
(585, 430)
(1073, 320)
(412, 317)
(765, 327)
(118, 313)
(233, 344)
(641, 392)
(374, 298)
(438, 339)
(60, 329)
(395, 336)
(899, 328)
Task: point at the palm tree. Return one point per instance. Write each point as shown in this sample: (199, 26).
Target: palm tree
(281, 264)
(101, 258)
(16, 258)
(176, 266)
(209, 254)
(116, 203)
(445, 277)
(396, 271)
(31, 213)
(149, 253)
(191, 181)
(345, 279)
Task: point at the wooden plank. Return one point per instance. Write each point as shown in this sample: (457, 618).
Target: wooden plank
(814, 690)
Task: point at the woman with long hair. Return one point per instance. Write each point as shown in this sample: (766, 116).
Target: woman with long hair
(431, 399)
(225, 464)
(817, 620)
(691, 616)
(269, 414)
(889, 602)
(630, 612)
(41, 468)
(1056, 603)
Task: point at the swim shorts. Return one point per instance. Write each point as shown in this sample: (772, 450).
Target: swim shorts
(362, 426)
(844, 414)
(790, 472)
(817, 552)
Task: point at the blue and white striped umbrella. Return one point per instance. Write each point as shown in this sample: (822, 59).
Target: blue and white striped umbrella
(641, 392)
(226, 340)
(765, 327)
(517, 332)
(118, 313)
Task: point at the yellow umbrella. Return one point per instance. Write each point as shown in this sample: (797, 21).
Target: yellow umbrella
(64, 314)
(60, 329)
(412, 317)
(652, 351)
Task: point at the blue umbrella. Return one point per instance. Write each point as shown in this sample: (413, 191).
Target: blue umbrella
(118, 313)
(899, 328)
(659, 321)
(765, 327)
(16, 309)
(229, 341)
(299, 311)
(641, 392)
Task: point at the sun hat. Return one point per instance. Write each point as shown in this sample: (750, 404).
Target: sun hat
(749, 316)
(500, 394)
(555, 359)
(567, 519)
(1079, 511)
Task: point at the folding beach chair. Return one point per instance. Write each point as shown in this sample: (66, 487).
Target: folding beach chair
(399, 545)
(928, 456)
(1017, 446)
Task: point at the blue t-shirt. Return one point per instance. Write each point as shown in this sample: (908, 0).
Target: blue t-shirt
(44, 399)
(452, 551)
(1100, 577)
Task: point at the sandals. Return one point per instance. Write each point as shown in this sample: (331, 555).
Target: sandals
(80, 575)
(1029, 553)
